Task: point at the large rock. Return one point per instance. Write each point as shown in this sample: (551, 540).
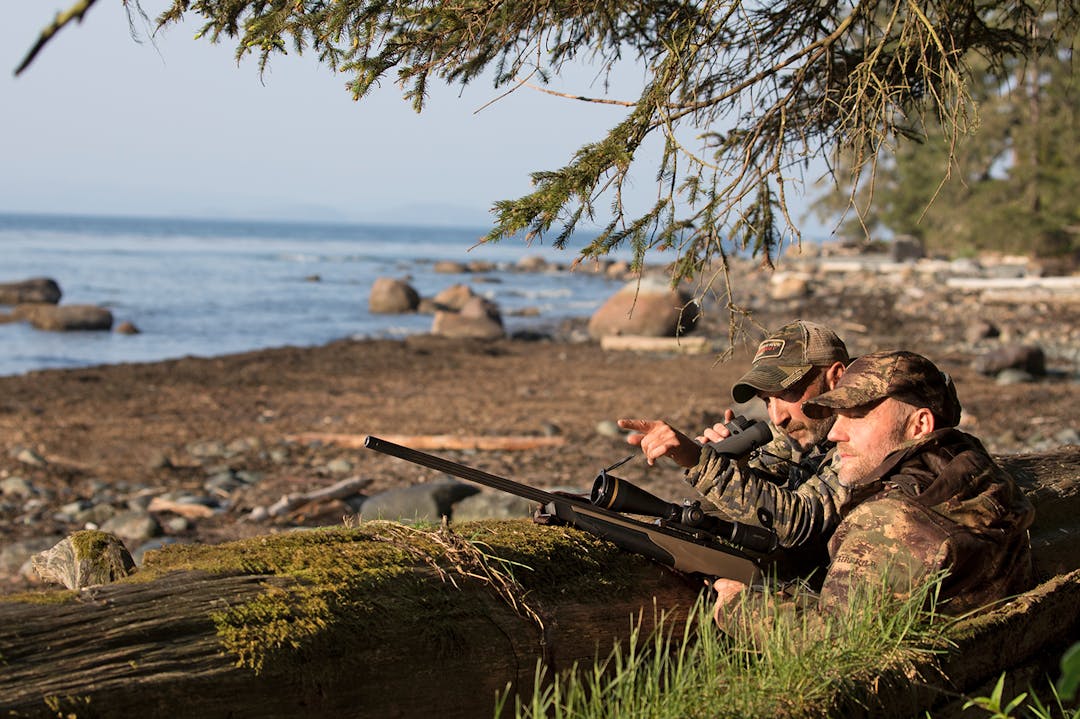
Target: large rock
(1029, 358)
(392, 296)
(35, 289)
(650, 308)
(428, 502)
(65, 318)
(478, 319)
(453, 298)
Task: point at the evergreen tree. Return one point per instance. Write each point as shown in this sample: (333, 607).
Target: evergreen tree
(1010, 186)
(762, 86)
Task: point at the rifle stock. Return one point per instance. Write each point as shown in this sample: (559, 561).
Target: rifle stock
(684, 549)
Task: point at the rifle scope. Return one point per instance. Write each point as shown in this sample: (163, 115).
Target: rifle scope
(618, 495)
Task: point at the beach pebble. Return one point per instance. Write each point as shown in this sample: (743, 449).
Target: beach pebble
(96, 514)
(15, 555)
(28, 456)
(339, 466)
(1069, 435)
(608, 428)
(133, 526)
(206, 449)
(127, 328)
(1011, 375)
(139, 555)
(16, 487)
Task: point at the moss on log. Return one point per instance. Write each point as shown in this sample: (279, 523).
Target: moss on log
(379, 621)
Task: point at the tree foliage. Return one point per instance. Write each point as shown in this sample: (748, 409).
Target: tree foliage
(759, 87)
(1010, 186)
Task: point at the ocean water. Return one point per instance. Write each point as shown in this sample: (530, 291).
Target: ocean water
(206, 288)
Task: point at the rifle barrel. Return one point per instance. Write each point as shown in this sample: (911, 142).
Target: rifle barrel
(458, 470)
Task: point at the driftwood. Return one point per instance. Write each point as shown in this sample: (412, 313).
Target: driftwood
(341, 490)
(502, 443)
(439, 637)
(639, 343)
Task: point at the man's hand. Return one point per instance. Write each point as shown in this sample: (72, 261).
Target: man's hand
(718, 431)
(658, 439)
(727, 592)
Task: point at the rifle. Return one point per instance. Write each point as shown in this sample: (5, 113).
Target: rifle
(683, 537)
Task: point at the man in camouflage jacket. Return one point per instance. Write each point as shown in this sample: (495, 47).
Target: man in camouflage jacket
(789, 485)
(926, 499)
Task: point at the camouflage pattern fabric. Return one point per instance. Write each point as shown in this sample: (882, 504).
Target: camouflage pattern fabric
(938, 506)
(795, 494)
(942, 505)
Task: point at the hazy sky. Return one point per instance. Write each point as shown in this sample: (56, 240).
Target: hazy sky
(102, 124)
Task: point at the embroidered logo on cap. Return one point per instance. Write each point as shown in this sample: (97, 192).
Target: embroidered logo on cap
(769, 349)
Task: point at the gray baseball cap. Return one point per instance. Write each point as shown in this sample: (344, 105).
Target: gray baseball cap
(784, 357)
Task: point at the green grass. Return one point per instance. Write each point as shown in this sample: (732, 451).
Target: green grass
(804, 665)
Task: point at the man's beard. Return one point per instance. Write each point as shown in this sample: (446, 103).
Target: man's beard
(813, 432)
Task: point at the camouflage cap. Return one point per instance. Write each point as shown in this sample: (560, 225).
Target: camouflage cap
(784, 357)
(905, 376)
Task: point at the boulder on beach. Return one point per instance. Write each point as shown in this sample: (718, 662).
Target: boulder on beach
(35, 289)
(479, 318)
(650, 308)
(1029, 358)
(64, 318)
(392, 296)
(453, 298)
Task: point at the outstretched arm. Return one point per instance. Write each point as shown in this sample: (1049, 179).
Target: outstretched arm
(659, 439)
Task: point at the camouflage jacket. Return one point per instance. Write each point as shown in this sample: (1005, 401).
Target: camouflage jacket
(938, 506)
(795, 494)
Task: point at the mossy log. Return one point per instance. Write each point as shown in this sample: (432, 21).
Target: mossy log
(385, 620)
(378, 621)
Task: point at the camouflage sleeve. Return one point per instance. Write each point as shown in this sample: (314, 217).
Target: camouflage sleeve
(740, 493)
(886, 538)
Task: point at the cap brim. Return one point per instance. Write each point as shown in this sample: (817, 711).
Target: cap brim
(766, 378)
(827, 403)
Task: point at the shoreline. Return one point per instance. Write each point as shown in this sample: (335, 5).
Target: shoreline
(82, 446)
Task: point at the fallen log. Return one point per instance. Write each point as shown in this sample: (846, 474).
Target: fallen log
(377, 621)
(503, 443)
(385, 620)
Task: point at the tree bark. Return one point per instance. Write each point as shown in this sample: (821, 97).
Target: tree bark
(152, 648)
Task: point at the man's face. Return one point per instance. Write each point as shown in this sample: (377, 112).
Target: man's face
(785, 411)
(864, 436)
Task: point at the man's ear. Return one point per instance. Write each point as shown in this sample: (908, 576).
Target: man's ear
(833, 374)
(920, 423)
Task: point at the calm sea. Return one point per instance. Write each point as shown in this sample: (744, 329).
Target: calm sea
(205, 288)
